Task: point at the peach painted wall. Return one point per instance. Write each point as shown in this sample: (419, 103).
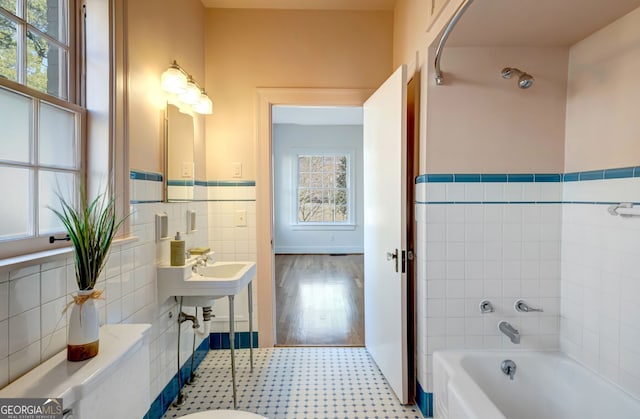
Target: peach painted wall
(409, 30)
(603, 121)
(481, 123)
(155, 39)
(247, 49)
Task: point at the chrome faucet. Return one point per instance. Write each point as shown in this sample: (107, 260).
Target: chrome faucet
(510, 331)
(509, 368)
(201, 261)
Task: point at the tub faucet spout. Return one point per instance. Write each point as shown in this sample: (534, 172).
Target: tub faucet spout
(510, 331)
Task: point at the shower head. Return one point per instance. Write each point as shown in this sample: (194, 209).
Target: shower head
(525, 80)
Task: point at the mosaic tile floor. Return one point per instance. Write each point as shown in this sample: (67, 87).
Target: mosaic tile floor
(296, 383)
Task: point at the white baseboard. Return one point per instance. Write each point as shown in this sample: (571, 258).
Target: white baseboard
(319, 250)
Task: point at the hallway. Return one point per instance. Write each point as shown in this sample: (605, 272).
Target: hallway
(320, 300)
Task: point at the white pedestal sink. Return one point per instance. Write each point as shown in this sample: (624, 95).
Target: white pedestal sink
(207, 284)
(199, 286)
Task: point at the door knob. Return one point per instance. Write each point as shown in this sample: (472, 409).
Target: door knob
(391, 256)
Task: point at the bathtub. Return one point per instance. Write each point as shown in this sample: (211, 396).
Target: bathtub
(471, 385)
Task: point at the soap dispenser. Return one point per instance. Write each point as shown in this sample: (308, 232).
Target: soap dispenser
(177, 251)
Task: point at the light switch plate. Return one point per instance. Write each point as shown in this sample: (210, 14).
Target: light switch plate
(237, 169)
(187, 169)
(241, 218)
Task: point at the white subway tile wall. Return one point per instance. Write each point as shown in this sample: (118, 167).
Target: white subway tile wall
(600, 308)
(233, 243)
(33, 298)
(486, 241)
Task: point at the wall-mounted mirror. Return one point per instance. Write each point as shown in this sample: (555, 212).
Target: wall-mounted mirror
(179, 158)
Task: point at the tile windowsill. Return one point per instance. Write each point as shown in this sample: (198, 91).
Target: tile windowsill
(16, 262)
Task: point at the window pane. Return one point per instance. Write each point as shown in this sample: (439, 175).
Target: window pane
(315, 180)
(50, 184)
(315, 213)
(58, 141)
(8, 49)
(46, 66)
(328, 163)
(327, 213)
(328, 180)
(303, 163)
(16, 217)
(304, 179)
(316, 163)
(49, 16)
(15, 120)
(10, 5)
(341, 197)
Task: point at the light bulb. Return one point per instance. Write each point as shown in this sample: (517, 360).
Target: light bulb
(203, 105)
(174, 81)
(191, 94)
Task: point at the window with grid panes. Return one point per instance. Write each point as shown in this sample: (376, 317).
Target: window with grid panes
(323, 189)
(41, 145)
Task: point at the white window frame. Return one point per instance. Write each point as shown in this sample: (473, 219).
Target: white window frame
(67, 73)
(350, 224)
(11, 248)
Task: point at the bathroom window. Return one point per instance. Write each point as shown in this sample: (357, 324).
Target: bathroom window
(42, 153)
(35, 45)
(324, 189)
(40, 158)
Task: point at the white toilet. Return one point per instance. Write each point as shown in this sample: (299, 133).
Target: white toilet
(223, 414)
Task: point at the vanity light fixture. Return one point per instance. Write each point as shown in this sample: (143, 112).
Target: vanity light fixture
(184, 91)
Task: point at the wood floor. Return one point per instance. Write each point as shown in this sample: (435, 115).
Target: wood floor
(320, 300)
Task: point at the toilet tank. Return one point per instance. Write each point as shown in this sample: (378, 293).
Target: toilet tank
(114, 384)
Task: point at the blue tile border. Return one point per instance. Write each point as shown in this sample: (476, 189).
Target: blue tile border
(591, 175)
(139, 201)
(521, 177)
(138, 175)
(158, 177)
(161, 404)
(231, 183)
(180, 182)
(613, 173)
(519, 202)
(424, 401)
(467, 178)
(620, 173)
(221, 340)
(494, 178)
(571, 177)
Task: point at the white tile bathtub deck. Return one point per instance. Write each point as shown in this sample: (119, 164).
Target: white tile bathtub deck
(296, 383)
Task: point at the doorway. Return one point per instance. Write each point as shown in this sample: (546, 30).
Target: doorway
(266, 99)
(318, 225)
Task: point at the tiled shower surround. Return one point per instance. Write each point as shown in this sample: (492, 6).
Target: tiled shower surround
(544, 238)
(33, 296)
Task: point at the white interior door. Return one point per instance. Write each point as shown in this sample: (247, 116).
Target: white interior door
(384, 230)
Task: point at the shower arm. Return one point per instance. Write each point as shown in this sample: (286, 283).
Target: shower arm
(443, 39)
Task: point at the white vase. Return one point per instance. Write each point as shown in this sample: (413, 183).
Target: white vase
(83, 327)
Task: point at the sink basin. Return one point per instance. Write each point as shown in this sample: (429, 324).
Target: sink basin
(211, 282)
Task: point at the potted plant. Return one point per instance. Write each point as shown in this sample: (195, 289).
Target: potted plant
(91, 229)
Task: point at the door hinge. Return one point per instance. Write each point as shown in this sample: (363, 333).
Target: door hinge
(410, 255)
